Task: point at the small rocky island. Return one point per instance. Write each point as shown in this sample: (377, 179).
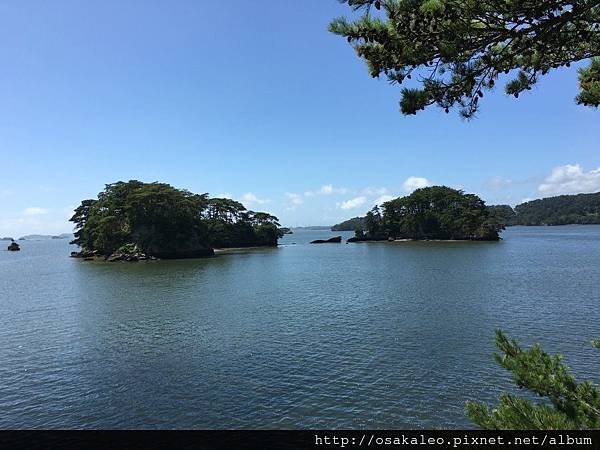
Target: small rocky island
(14, 247)
(431, 213)
(136, 221)
(333, 240)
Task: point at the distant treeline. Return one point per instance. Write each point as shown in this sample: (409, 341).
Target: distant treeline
(561, 210)
(350, 224)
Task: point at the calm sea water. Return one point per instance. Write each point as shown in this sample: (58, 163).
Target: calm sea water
(332, 336)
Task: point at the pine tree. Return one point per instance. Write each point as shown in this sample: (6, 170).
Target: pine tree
(456, 50)
(567, 404)
(589, 82)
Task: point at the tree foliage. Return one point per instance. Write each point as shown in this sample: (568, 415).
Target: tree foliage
(350, 224)
(504, 214)
(456, 50)
(163, 221)
(566, 403)
(582, 209)
(230, 224)
(436, 212)
(589, 83)
(561, 210)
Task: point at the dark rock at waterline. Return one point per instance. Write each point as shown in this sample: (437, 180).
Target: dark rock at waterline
(14, 247)
(132, 253)
(140, 256)
(129, 257)
(333, 240)
(84, 254)
(365, 239)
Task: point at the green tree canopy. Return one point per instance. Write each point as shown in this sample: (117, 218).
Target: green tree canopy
(567, 404)
(561, 210)
(163, 221)
(350, 224)
(455, 50)
(158, 218)
(589, 82)
(436, 212)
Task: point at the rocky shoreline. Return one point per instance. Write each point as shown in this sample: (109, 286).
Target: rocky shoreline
(114, 257)
(131, 253)
(355, 239)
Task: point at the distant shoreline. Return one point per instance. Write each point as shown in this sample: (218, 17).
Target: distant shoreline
(386, 241)
(236, 249)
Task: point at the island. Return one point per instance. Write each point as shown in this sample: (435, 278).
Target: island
(333, 240)
(14, 247)
(45, 237)
(431, 213)
(350, 224)
(578, 209)
(132, 221)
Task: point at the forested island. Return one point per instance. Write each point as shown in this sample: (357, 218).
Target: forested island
(135, 220)
(45, 237)
(581, 209)
(437, 213)
(350, 224)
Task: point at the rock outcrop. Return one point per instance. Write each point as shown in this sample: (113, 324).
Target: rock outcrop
(131, 253)
(14, 247)
(333, 240)
(84, 254)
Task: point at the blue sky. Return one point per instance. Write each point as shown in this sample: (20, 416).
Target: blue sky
(255, 100)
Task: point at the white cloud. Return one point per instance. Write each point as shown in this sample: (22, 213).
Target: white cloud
(34, 211)
(497, 183)
(413, 183)
(384, 198)
(327, 189)
(295, 199)
(353, 203)
(223, 195)
(373, 191)
(570, 179)
(250, 198)
(5, 193)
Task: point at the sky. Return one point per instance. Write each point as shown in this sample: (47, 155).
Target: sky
(255, 101)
